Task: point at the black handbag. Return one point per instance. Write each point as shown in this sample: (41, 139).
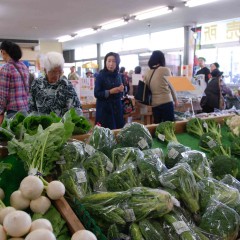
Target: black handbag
(144, 94)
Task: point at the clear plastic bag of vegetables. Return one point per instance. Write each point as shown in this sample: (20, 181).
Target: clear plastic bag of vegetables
(198, 162)
(181, 179)
(156, 152)
(150, 168)
(231, 181)
(123, 179)
(146, 203)
(103, 139)
(75, 181)
(211, 188)
(220, 220)
(121, 156)
(135, 135)
(174, 153)
(98, 167)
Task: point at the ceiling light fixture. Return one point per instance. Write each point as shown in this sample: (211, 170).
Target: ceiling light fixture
(113, 24)
(153, 12)
(85, 32)
(195, 3)
(65, 38)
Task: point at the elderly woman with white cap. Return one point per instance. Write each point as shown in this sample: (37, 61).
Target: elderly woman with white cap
(53, 92)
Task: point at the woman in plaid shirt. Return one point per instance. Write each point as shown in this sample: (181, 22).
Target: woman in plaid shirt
(14, 77)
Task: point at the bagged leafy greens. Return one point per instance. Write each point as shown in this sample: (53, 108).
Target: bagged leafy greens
(135, 135)
(220, 220)
(181, 179)
(231, 181)
(5, 135)
(174, 153)
(123, 179)
(165, 132)
(98, 167)
(103, 139)
(121, 156)
(198, 162)
(75, 181)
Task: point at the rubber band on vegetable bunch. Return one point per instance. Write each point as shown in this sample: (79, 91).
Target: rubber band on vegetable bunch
(86, 219)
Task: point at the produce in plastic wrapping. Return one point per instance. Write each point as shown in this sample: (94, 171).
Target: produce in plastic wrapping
(135, 232)
(234, 124)
(73, 155)
(98, 167)
(103, 139)
(174, 153)
(198, 163)
(121, 156)
(146, 203)
(181, 179)
(81, 124)
(135, 135)
(150, 168)
(220, 220)
(113, 232)
(195, 127)
(123, 179)
(231, 181)
(149, 231)
(155, 151)
(214, 127)
(165, 132)
(75, 181)
(211, 188)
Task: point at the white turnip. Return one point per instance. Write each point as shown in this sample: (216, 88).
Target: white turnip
(3, 235)
(17, 223)
(83, 235)
(4, 212)
(41, 224)
(18, 201)
(31, 187)
(40, 234)
(2, 194)
(40, 205)
(55, 190)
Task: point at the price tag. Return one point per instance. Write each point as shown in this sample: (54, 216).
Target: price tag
(130, 216)
(109, 166)
(143, 143)
(61, 161)
(32, 171)
(180, 227)
(212, 143)
(89, 149)
(81, 176)
(156, 151)
(161, 137)
(173, 153)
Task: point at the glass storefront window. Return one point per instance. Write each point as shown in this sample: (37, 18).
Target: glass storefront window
(85, 52)
(137, 42)
(113, 46)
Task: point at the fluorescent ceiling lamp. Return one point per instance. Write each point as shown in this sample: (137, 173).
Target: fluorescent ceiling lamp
(154, 12)
(85, 32)
(113, 24)
(65, 38)
(195, 3)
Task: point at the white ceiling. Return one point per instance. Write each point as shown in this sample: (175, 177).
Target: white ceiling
(37, 20)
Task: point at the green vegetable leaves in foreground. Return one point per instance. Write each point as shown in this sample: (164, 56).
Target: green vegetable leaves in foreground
(40, 151)
(165, 132)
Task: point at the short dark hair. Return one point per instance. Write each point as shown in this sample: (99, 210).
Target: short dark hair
(122, 70)
(202, 58)
(157, 58)
(12, 49)
(216, 65)
(137, 70)
(117, 58)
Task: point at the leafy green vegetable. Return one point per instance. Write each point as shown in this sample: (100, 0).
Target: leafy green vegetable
(135, 135)
(198, 163)
(103, 139)
(214, 127)
(235, 146)
(135, 232)
(40, 151)
(121, 156)
(221, 220)
(174, 153)
(81, 124)
(181, 179)
(98, 167)
(5, 135)
(195, 127)
(231, 181)
(122, 179)
(165, 132)
(113, 232)
(223, 165)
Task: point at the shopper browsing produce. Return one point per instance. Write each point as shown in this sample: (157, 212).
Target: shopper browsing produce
(53, 92)
(109, 91)
(14, 77)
